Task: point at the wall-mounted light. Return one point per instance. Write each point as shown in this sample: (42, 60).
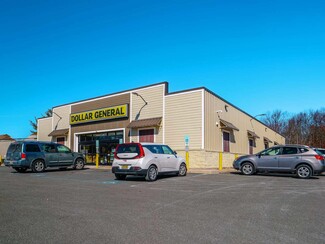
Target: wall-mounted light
(258, 116)
(255, 118)
(57, 114)
(226, 108)
(57, 123)
(218, 112)
(145, 103)
(137, 94)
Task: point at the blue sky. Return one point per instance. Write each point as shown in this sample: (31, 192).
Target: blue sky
(258, 55)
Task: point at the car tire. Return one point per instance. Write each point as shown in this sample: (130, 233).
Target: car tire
(152, 173)
(182, 170)
(120, 177)
(304, 171)
(79, 164)
(38, 166)
(247, 168)
(20, 170)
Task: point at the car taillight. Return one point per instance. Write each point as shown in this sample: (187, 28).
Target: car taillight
(141, 154)
(115, 153)
(319, 157)
(23, 155)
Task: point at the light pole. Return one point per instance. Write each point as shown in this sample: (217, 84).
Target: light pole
(255, 118)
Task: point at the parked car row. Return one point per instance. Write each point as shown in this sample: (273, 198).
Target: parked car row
(147, 159)
(304, 161)
(152, 159)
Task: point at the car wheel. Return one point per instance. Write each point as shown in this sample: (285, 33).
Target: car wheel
(120, 177)
(38, 166)
(152, 173)
(79, 164)
(21, 170)
(182, 170)
(247, 169)
(304, 171)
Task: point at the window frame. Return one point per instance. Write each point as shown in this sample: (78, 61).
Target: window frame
(223, 141)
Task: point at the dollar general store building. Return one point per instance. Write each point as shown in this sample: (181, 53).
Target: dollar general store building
(197, 120)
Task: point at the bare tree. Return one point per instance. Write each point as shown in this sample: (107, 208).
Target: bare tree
(306, 128)
(317, 129)
(276, 120)
(298, 129)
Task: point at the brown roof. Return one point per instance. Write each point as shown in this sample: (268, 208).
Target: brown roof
(227, 125)
(61, 132)
(145, 123)
(6, 137)
(252, 134)
(267, 139)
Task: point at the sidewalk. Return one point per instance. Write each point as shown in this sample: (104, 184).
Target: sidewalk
(192, 171)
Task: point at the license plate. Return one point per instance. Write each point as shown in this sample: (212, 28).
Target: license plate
(125, 167)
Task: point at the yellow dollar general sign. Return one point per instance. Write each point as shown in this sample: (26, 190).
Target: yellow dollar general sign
(115, 112)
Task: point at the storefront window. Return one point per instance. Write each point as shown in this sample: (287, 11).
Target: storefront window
(107, 144)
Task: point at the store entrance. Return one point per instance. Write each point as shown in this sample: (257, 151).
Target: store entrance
(107, 143)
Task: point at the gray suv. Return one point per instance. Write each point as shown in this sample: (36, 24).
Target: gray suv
(38, 155)
(302, 160)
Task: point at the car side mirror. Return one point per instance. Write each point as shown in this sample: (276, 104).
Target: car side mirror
(175, 152)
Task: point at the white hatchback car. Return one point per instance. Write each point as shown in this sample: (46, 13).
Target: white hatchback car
(146, 159)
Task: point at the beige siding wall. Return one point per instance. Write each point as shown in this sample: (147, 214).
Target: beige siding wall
(241, 120)
(212, 132)
(64, 113)
(239, 139)
(44, 127)
(154, 96)
(63, 122)
(183, 117)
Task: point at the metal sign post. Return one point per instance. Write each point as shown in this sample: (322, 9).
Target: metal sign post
(97, 153)
(187, 156)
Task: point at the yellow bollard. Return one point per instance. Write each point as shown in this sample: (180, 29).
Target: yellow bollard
(0, 160)
(187, 159)
(97, 160)
(220, 160)
(236, 155)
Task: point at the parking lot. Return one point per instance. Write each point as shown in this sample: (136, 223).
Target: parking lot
(90, 206)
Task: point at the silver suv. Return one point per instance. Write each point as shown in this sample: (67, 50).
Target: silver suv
(38, 155)
(147, 160)
(301, 160)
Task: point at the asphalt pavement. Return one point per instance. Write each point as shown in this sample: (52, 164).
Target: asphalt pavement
(90, 206)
